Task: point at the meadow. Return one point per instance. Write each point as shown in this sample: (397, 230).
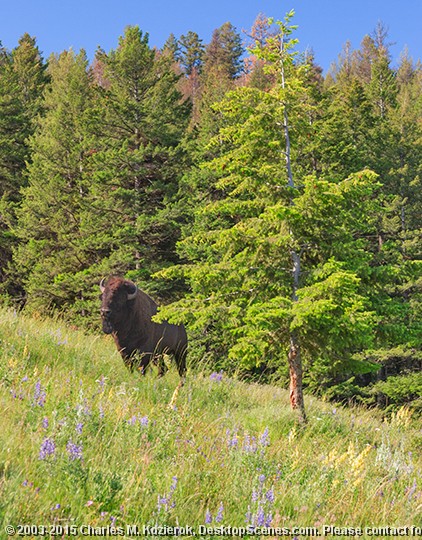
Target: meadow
(83, 441)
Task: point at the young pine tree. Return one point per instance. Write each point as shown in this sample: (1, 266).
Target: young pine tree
(277, 261)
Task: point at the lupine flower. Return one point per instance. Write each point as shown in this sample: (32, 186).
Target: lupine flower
(208, 517)
(268, 520)
(219, 516)
(45, 422)
(232, 439)
(270, 495)
(162, 501)
(132, 420)
(217, 376)
(56, 506)
(263, 501)
(101, 383)
(144, 421)
(24, 379)
(410, 491)
(260, 517)
(100, 411)
(113, 520)
(167, 501)
(74, 450)
(249, 444)
(264, 440)
(79, 427)
(248, 516)
(39, 395)
(48, 448)
(86, 409)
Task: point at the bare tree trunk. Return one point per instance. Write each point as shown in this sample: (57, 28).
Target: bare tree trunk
(294, 357)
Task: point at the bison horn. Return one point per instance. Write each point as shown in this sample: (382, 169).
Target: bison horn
(102, 284)
(134, 289)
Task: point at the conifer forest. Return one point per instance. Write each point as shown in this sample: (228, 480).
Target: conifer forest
(273, 209)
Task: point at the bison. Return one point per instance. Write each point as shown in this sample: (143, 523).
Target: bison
(126, 313)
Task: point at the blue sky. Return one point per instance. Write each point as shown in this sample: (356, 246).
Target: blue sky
(324, 25)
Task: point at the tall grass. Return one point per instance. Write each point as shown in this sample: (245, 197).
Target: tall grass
(83, 441)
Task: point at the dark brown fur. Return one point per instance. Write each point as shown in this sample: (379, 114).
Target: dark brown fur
(139, 339)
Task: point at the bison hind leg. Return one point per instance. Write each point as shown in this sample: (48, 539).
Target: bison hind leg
(180, 357)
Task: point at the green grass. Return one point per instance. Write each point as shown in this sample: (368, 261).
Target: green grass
(143, 463)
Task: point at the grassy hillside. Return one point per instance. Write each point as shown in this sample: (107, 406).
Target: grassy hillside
(82, 441)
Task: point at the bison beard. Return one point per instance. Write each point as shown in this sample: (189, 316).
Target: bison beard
(126, 313)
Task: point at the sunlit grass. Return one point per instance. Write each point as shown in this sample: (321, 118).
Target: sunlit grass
(83, 441)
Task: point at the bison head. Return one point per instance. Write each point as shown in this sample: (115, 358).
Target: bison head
(115, 295)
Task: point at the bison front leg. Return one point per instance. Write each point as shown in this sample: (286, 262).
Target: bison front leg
(138, 361)
(162, 367)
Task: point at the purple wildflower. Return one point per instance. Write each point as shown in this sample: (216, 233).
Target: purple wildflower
(162, 501)
(39, 395)
(113, 520)
(101, 383)
(86, 410)
(270, 495)
(132, 420)
(260, 517)
(174, 484)
(48, 448)
(219, 516)
(56, 506)
(166, 501)
(208, 517)
(24, 379)
(264, 440)
(249, 444)
(144, 421)
(261, 478)
(217, 376)
(232, 439)
(79, 427)
(410, 491)
(74, 450)
(101, 411)
(45, 422)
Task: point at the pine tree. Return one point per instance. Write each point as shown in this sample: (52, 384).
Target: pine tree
(276, 264)
(221, 69)
(51, 257)
(138, 159)
(172, 48)
(225, 51)
(255, 73)
(192, 53)
(22, 80)
(191, 61)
